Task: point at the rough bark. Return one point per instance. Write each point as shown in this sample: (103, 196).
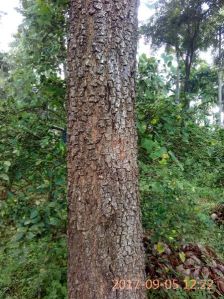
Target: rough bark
(104, 229)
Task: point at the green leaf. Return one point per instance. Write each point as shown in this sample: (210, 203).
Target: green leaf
(141, 127)
(34, 214)
(160, 248)
(147, 144)
(7, 163)
(175, 160)
(19, 236)
(30, 235)
(4, 176)
(54, 221)
(182, 256)
(27, 222)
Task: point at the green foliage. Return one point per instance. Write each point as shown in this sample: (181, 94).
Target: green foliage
(32, 156)
(34, 269)
(185, 28)
(180, 164)
(41, 37)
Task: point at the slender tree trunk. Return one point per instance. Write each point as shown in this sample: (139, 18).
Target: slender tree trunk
(220, 78)
(220, 84)
(185, 98)
(104, 229)
(186, 87)
(178, 77)
(188, 65)
(65, 73)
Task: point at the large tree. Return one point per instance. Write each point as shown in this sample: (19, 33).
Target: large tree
(104, 228)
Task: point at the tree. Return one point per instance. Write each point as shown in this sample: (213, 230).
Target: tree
(220, 75)
(184, 27)
(217, 41)
(104, 228)
(219, 60)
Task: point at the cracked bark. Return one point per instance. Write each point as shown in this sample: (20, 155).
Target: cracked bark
(104, 229)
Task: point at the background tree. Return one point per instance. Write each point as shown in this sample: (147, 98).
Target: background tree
(219, 61)
(220, 71)
(184, 27)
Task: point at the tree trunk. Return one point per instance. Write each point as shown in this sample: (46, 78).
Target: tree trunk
(178, 77)
(220, 84)
(186, 88)
(104, 229)
(220, 78)
(188, 64)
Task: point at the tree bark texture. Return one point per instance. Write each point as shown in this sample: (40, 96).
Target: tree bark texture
(104, 229)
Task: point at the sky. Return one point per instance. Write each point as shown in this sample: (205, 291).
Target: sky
(9, 22)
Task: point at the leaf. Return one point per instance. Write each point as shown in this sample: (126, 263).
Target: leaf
(19, 236)
(142, 127)
(54, 221)
(165, 156)
(34, 214)
(7, 163)
(154, 121)
(182, 256)
(30, 236)
(176, 160)
(160, 248)
(38, 162)
(147, 144)
(16, 152)
(158, 152)
(27, 222)
(163, 162)
(4, 176)
(36, 220)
